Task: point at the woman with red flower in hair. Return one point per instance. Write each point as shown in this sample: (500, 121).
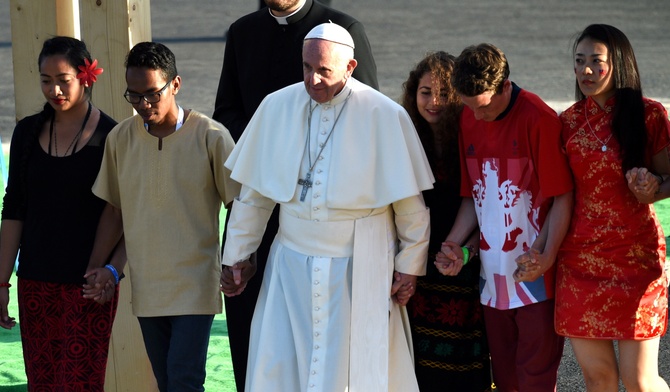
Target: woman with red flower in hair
(51, 215)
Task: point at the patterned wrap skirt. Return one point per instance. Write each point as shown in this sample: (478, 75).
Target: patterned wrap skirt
(65, 337)
(450, 348)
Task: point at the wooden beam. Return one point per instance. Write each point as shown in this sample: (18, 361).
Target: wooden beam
(110, 29)
(67, 18)
(32, 23)
(128, 367)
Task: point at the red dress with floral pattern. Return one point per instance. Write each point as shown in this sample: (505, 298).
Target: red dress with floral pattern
(610, 281)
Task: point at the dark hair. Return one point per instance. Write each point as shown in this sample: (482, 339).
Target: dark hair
(479, 69)
(153, 55)
(72, 49)
(628, 125)
(440, 65)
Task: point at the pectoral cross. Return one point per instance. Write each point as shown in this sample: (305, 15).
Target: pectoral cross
(306, 184)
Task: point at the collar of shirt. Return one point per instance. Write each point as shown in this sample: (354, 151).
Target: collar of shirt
(295, 16)
(340, 97)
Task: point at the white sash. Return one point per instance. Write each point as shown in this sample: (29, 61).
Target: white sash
(367, 240)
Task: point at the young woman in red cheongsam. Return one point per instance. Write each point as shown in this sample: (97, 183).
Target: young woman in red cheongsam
(611, 283)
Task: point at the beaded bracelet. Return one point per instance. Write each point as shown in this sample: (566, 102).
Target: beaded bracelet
(114, 272)
(8, 285)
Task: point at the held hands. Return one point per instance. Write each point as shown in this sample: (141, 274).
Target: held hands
(531, 265)
(100, 285)
(402, 288)
(6, 322)
(449, 261)
(643, 184)
(234, 279)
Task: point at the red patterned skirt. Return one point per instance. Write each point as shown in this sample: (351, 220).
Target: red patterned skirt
(65, 337)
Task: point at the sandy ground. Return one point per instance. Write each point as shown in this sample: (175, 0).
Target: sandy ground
(535, 35)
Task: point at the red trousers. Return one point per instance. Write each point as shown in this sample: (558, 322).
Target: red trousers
(525, 349)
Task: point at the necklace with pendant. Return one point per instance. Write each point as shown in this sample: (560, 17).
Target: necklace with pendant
(307, 181)
(604, 143)
(54, 135)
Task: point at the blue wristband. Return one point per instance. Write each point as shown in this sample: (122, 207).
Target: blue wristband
(114, 272)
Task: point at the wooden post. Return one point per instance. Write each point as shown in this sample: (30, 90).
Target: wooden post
(128, 367)
(109, 28)
(67, 18)
(32, 23)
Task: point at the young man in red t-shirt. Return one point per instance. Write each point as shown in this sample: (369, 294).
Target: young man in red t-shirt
(517, 191)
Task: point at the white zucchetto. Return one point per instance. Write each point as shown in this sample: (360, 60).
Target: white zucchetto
(331, 32)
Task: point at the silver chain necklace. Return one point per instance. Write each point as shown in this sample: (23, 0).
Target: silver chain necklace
(307, 181)
(604, 143)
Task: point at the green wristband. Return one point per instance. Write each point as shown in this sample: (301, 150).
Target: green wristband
(466, 255)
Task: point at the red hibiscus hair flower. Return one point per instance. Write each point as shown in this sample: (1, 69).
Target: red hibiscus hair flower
(89, 72)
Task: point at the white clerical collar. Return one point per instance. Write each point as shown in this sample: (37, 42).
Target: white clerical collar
(341, 96)
(284, 20)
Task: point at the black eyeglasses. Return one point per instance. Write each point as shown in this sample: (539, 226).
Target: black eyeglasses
(149, 98)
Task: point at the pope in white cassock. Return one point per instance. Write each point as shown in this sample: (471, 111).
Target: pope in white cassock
(346, 166)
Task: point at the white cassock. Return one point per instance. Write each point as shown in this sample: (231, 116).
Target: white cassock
(324, 320)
